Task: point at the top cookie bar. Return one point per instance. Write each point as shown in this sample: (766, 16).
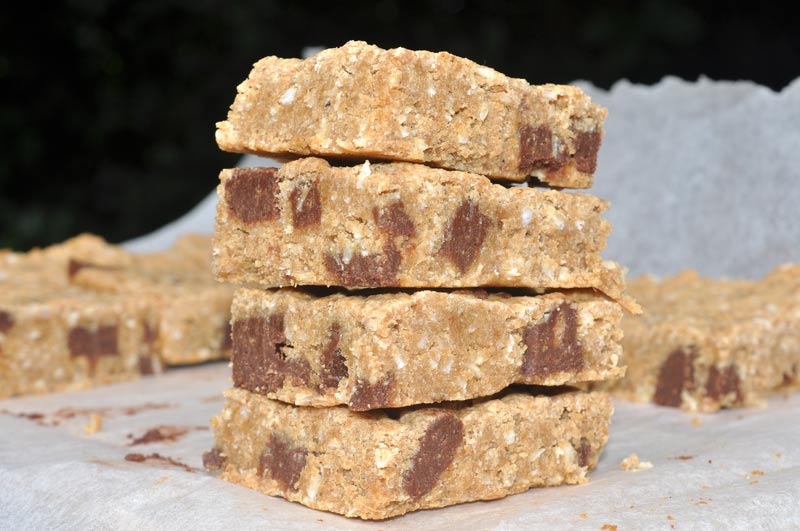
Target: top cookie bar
(360, 101)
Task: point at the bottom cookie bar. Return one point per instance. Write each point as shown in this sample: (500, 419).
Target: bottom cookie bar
(384, 463)
(705, 344)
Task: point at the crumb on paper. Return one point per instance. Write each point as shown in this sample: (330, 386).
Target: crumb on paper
(670, 517)
(696, 421)
(584, 516)
(778, 455)
(632, 463)
(608, 527)
(756, 472)
(683, 457)
(95, 423)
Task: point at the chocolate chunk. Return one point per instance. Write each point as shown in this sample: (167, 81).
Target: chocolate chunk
(552, 346)
(790, 377)
(146, 365)
(260, 360)
(149, 333)
(394, 220)
(283, 462)
(539, 148)
(587, 145)
(306, 209)
(332, 364)
(372, 395)
(74, 266)
(227, 339)
(6, 321)
(93, 344)
(213, 460)
(372, 270)
(584, 452)
(675, 375)
(721, 383)
(252, 194)
(436, 451)
(464, 235)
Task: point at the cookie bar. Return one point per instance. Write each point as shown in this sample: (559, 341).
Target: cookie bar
(194, 310)
(362, 102)
(405, 225)
(399, 349)
(379, 464)
(72, 339)
(706, 344)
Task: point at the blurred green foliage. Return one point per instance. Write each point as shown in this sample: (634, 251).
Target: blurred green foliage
(108, 108)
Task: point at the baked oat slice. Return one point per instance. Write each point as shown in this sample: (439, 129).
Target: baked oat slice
(399, 349)
(380, 464)
(362, 102)
(193, 308)
(72, 339)
(706, 344)
(405, 225)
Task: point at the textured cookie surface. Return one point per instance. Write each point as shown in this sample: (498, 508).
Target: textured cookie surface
(703, 344)
(362, 102)
(405, 225)
(380, 464)
(399, 349)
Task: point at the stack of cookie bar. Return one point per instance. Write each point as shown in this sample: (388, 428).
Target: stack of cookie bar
(400, 392)
(83, 313)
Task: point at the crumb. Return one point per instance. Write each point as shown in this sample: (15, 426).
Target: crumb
(754, 482)
(159, 434)
(670, 517)
(709, 461)
(632, 463)
(141, 458)
(778, 455)
(584, 516)
(756, 473)
(95, 423)
(696, 421)
(705, 487)
(683, 457)
(608, 527)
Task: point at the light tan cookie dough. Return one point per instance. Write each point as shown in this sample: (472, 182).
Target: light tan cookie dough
(379, 464)
(399, 349)
(68, 339)
(405, 225)
(362, 102)
(705, 344)
(194, 309)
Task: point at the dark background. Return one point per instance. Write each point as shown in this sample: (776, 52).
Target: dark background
(108, 108)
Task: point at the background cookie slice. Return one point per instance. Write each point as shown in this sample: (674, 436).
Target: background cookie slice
(703, 344)
(71, 339)
(405, 225)
(380, 464)
(398, 349)
(362, 102)
(193, 309)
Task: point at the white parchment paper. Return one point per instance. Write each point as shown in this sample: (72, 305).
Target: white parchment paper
(738, 469)
(701, 175)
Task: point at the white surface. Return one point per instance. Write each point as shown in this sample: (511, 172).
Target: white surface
(57, 477)
(701, 175)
